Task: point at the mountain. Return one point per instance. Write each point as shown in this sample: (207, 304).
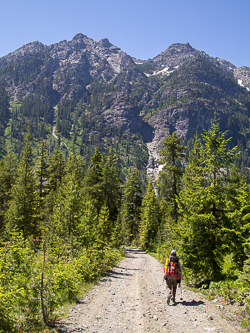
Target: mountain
(92, 94)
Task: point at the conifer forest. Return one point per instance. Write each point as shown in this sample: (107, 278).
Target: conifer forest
(64, 223)
(79, 123)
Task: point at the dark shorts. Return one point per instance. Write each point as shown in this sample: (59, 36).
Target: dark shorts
(171, 285)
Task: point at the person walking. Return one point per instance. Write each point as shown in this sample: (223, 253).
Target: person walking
(172, 275)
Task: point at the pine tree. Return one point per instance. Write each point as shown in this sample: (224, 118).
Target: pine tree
(245, 273)
(8, 169)
(169, 181)
(41, 175)
(117, 236)
(21, 212)
(111, 189)
(204, 205)
(67, 212)
(93, 181)
(75, 165)
(55, 170)
(55, 173)
(102, 231)
(131, 207)
(150, 219)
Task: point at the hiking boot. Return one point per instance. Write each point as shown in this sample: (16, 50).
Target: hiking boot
(168, 300)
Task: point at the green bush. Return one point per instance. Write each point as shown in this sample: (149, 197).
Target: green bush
(63, 281)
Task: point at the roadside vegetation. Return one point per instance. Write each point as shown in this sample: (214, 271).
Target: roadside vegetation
(204, 201)
(64, 222)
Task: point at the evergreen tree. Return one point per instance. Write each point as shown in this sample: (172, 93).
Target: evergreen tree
(102, 231)
(204, 205)
(21, 212)
(55, 173)
(67, 211)
(169, 181)
(111, 188)
(243, 278)
(75, 165)
(117, 236)
(8, 169)
(131, 207)
(150, 219)
(41, 174)
(93, 181)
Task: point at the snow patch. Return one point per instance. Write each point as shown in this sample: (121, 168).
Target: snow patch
(240, 83)
(164, 71)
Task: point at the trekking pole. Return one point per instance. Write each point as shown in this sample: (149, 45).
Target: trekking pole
(180, 285)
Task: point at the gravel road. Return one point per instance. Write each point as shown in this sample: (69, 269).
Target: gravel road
(132, 298)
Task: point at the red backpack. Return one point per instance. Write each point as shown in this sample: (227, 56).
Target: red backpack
(172, 267)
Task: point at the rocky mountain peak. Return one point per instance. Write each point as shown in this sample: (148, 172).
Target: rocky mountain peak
(29, 48)
(80, 37)
(98, 87)
(105, 43)
(175, 55)
(81, 41)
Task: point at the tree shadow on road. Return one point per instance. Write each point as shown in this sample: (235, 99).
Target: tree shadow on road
(118, 275)
(128, 269)
(191, 303)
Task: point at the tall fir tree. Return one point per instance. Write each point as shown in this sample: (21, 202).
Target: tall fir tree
(169, 182)
(131, 207)
(55, 173)
(41, 175)
(65, 222)
(150, 220)
(93, 181)
(21, 212)
(203, 203)
(8, 169)
(111, 188)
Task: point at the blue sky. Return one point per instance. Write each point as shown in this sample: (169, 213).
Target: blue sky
(141, 28)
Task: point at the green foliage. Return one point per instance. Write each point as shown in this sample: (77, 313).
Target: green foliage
(55, 240)
(16, 275)
(93, 180)
(131, 208)
(55, 173)
(4, 118)
(22, 206)
(229, 270)
(150, 220)
(63, 279)
(170, 177)
(8, 169)
(208, 229)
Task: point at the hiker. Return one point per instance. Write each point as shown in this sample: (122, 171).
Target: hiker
(172, 275)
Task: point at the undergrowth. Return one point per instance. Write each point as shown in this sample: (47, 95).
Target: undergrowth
(36, 287)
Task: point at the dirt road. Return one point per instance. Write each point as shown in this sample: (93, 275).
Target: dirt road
(132, 298)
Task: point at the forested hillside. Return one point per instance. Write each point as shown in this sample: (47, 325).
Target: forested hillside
(63, 223)
(94, 95)
(81, 123)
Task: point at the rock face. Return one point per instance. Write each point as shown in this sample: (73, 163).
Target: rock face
(82, 57)
(95, 86)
